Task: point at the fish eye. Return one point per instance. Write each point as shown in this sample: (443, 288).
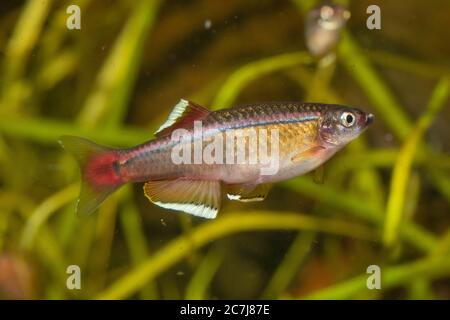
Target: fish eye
(348, 119)
(326, 12)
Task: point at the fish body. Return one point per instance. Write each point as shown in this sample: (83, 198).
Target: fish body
(197, 153)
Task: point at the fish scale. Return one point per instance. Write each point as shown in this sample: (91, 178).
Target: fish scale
(298, 138)
(289, 120)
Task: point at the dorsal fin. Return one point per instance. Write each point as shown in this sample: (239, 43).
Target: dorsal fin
(182, 116)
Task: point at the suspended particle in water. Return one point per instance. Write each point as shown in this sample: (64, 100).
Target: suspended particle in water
(207, 24)
(388, 137)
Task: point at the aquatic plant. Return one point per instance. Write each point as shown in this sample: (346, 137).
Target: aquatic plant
(383, 201)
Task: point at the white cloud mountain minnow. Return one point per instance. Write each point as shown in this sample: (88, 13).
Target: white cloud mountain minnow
(242, 151)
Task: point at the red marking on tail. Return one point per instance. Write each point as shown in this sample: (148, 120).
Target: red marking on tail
(100, 171)
(103, 169)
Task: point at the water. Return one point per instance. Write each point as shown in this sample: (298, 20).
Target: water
(116, 87)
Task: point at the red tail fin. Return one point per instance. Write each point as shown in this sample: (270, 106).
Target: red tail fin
(99, 171)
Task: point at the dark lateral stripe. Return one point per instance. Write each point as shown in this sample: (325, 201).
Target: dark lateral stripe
(246, 124)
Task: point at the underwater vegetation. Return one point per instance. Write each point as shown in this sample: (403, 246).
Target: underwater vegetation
(383, 201)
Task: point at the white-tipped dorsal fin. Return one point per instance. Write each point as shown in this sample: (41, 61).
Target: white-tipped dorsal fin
(248, 193)
(182, 116)
(197, 197)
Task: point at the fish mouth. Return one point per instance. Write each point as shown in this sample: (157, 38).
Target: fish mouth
(369, 118)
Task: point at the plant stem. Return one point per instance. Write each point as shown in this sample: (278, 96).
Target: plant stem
(228, 224)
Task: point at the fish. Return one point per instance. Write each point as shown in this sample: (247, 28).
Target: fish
(198, 155)
(323, 25)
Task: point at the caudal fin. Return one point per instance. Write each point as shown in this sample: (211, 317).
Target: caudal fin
(100, 174)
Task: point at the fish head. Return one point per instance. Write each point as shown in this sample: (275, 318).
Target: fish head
(340, 125)
(329, 16)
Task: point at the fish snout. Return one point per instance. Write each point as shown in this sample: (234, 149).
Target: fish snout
(369, 118)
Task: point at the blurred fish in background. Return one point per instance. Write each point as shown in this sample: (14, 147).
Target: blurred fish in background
(323, 25)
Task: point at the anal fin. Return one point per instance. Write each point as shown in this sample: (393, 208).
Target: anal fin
(248, 193)
(197, 197)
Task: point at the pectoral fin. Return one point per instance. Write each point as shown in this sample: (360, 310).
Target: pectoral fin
(197, 197)
(248, 193)
(308, 153)
(319, 175)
